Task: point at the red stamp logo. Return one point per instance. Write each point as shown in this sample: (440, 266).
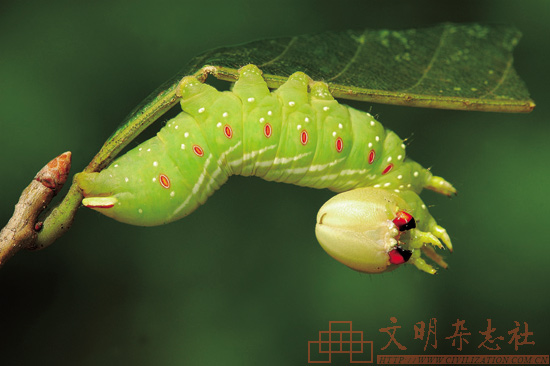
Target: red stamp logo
(340, 338)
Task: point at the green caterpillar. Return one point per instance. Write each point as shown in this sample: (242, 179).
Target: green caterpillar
(297, 134)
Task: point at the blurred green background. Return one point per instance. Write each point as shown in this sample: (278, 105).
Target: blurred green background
(242, 281)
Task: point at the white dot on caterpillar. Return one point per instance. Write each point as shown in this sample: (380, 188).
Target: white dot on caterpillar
(340, 126)
(370, 144)
(140, 211)
(298, 127)
(116, 166)
(172, 194)
(326, 108)
(401, 186)
(423, 206)
(140, 149)
(225, 114)
(409, 185)
(269, 113)
(149, 149)
(415, 174)
(201, 110)
(250, 100)
(387, 184)
(186, 134)
(389, 159)
(372, 123)
(333, 133)
(154, 179)
(306, 119)
(399, 157)
(291, 103)
(262, 120)
(183, 146)
(155, 163)
(377, 138)
(126, 179)
(399, 176)
(176, 127)
(219, 124)
(377, 186)
(396, 190)
(403, 146)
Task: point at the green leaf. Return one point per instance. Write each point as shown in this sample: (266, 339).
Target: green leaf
(449, 66)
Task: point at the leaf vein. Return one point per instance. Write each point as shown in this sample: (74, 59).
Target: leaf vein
(288, 46)
(432, 61)
(353, 58)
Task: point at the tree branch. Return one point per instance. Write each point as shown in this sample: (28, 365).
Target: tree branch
(22, 229)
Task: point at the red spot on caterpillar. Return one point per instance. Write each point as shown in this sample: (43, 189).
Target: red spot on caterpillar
(396, 257)
(399, 255)
(404, 221)
(372, 155)
(304, 137)
(339, 144)
(198, 150)
(267, 130)
(164, 181)
(388, 168)
(228, 132)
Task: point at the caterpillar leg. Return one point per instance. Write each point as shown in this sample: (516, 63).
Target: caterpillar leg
(375, 230)
(440, 185)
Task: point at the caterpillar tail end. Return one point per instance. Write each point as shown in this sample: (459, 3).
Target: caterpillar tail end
(99, 202)
(94, 197)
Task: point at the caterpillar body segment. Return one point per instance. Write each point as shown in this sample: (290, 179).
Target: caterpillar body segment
(296, 134)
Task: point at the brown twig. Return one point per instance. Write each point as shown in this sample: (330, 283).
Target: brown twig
(21, 231)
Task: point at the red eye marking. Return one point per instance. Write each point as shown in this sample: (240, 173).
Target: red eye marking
(399, 255)
(198, 150)
(388, 168)
(404, 221)
(164, 181)
(267, 130)
(228, 131)
(372, 155)
(339, 144)
(304, 138)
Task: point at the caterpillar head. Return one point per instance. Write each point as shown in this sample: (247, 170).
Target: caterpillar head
(374, 230)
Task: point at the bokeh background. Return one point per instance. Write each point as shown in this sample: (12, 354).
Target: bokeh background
(242, 281)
